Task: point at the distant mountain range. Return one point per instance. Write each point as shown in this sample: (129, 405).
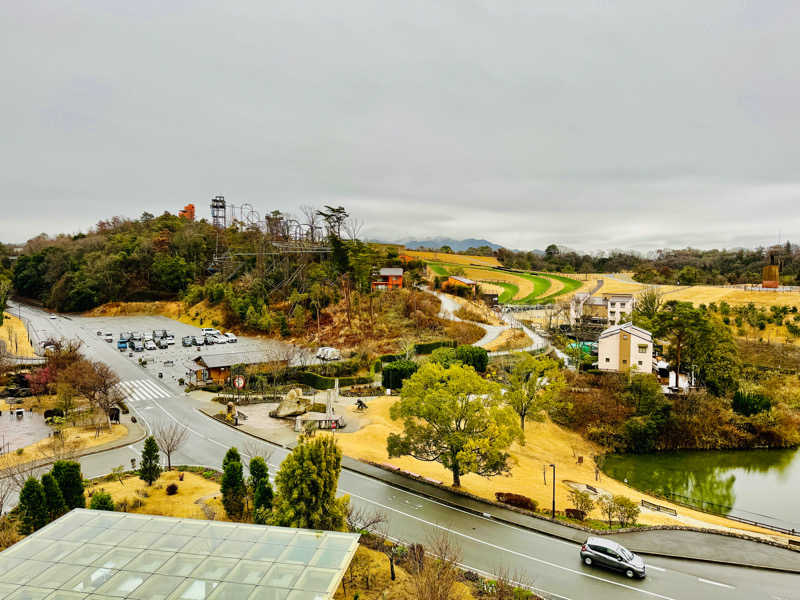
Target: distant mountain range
(456, 245)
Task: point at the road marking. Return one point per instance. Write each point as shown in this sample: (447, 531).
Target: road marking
(520, 554)
(654, 568)
(142, 389)
(717, 583)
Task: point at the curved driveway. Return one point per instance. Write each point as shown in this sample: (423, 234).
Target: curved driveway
(552, 565)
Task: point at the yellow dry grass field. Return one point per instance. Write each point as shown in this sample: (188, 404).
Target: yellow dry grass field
(201, 314)
(490, 288)
(458, 259)
(74, 440)
(480, 308)
(524, 286)
(194, 492)
(510, 339)
(14, 335)
(705, 294)
(546, 443)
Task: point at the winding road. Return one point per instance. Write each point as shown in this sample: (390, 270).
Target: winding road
(551, 566)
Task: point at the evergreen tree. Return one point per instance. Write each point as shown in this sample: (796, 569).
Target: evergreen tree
(68, 475)
(258, 470)
(233, 490)
(102, 501)
(232, 455)
(263, 495)
(150, 470)
(32, 507)
(53, 497)
(306, 483)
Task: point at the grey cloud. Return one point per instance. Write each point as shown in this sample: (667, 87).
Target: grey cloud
(595, 125)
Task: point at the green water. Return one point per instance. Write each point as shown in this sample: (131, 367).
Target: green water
(762, 485)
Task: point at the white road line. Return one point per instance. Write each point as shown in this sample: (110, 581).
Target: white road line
(717, 583)
(520, 554)
(654, 568)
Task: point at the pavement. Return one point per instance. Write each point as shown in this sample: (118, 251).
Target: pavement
(487, 542)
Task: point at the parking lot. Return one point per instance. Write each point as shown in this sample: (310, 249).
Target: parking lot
(158, 360)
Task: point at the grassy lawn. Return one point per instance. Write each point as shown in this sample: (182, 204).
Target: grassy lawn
(540, 286)
(569, 286)
(510, 290)
(439, 269)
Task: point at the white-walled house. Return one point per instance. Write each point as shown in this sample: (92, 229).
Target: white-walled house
(624, 347)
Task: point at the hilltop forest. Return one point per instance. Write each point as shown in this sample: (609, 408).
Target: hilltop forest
(689, 266)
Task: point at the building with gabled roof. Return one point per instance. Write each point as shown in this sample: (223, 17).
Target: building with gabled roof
(625, 346)
(388, 278)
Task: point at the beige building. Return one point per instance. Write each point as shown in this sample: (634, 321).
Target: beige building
(610, 309)
(624, 347)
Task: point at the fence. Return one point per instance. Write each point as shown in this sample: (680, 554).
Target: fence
(659, 508)
(719, 509)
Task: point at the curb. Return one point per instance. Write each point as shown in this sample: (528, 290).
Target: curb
(354, 468)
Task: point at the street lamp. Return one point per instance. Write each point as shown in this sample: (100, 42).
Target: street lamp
(553, 514)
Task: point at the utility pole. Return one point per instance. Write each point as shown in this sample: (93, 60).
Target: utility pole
(553, 514)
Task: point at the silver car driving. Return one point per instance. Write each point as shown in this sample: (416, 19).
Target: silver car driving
(609, 554)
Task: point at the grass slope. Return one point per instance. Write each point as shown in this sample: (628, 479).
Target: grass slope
(569, 286)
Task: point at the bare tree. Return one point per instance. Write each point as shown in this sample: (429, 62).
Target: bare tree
(170, 438)
(352, 228)
(360, 519)
(438, 574)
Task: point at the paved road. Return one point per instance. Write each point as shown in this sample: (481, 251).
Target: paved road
(551, 565)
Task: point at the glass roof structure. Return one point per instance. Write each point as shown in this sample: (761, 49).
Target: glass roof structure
(100, 555)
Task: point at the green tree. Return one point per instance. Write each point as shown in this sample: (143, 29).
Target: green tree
(170, 273)
(101, 501)
(68, 475)
(258, 469)
(715, 357)
(306, 487)
(648, 303)
(475, 357)
(582, 501)
(454, 417)
(53, 497)
(233, 490)
(32, 507)
(444, 356)
(626, 510)
(534, 383)
(149, 469)
(678, 322)
(232, 455)
(263, 495)
(5, 290)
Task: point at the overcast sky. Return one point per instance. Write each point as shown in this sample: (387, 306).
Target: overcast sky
(595, 125)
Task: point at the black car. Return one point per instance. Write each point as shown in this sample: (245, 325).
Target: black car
(609, 554)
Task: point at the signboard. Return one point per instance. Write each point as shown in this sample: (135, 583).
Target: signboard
(238, 382)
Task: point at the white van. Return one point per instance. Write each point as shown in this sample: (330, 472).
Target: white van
(328, 353)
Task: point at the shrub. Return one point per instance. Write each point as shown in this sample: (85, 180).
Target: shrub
(582, 502)
(395, 372)
(750, 403)
(626, 510)
(473, 356)
(102, 501)
(172, 489)
(428, 347)
(517, 500)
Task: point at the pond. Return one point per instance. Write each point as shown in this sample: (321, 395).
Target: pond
(760, 485)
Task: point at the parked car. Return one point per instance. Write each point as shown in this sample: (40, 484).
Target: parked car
(125, 336)
(148, 337)
(220, 339)
(122, 345)
(137, 346)
(109, 337)
(162, 343)
(230, 337)
(52, 316)
(136, 335)
(209, 331)
(99, 332)
(170, 339)
(210, 339)
(150, 345)
(159, 333)
(328, 353)
(187, 341)
(609, 554)
(198, 341)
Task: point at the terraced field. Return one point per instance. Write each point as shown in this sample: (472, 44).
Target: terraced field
(456, 259)
(521, 287)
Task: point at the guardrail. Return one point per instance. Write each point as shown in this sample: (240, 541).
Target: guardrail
(659, 508)
(721, 510)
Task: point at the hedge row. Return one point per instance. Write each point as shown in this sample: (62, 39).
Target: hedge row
(424, 348)
(326, 383)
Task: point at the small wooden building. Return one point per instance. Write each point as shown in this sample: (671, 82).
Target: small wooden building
(388, 278)
(217, 367)
(457, 281)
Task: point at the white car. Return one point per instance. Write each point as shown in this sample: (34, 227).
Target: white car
(149, 345)
(170, 340)
(230, 337)
(209, 331)
(53, 317)
(109, 337)
(328, 353)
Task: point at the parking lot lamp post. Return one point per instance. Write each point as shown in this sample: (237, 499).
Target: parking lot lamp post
(553, 514)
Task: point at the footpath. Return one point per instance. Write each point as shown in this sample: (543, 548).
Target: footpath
(668, 541)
